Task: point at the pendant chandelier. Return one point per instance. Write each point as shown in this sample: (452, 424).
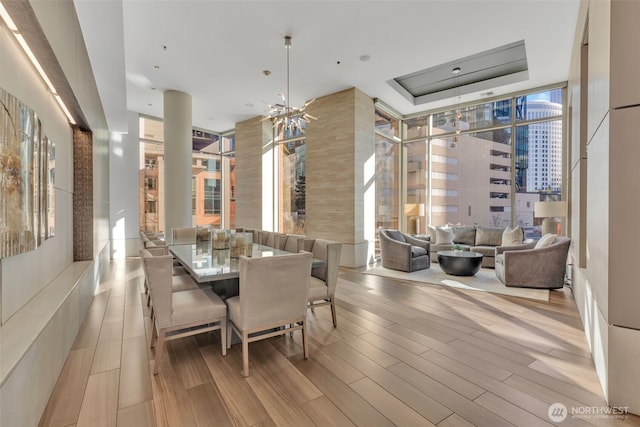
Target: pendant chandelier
(458, 113)
(283, 114)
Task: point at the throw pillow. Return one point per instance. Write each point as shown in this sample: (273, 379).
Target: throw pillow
(488, 236)
(464, 235)
(444, 236)
(512, 236)
(431, 230)
(545, 240)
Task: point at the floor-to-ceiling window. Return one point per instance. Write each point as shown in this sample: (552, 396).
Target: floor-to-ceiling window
(291, 177)
(538, 139)
(387, 172)
(213, 179)
(228, 155)
(483, 164)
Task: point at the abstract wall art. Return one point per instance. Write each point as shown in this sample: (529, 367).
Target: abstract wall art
(27, 167)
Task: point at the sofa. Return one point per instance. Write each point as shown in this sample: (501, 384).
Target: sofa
(480, 239)
(543, 266)
(399, 251)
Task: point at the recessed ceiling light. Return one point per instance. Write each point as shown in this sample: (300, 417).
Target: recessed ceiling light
(150, 105)
(156, 67)
(364, 58)
(153, 88)
(249, 105)
(456, 70)
(266, 72)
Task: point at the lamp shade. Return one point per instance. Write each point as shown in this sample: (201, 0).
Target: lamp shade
(414, 209)
(550, 209)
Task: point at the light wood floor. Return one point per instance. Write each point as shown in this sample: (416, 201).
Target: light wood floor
(403, 354)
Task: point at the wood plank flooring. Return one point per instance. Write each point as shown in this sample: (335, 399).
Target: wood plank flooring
(404, 353)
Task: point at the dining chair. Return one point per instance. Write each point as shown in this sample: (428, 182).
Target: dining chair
(273, 295)
(322, 286)
(266, 238)
(181, 314)
(291, 244)
(279, 240)
(180, 279)
(178, 270)
(152, 242)
(183, 235)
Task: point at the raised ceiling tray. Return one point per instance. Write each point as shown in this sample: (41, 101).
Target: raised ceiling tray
(485, 70)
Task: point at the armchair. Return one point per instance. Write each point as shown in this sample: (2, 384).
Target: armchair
(542, 267)
(400, 251)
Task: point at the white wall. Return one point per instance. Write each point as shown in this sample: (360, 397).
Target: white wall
(124, 162)
(605, 291)
(26, 274)
(33, 353)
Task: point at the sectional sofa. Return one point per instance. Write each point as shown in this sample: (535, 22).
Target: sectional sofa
(481, 239)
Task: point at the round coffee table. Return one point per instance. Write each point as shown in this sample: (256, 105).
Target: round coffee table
(460, 263)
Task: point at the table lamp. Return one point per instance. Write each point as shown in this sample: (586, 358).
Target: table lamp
(550, 211)
(413, 211)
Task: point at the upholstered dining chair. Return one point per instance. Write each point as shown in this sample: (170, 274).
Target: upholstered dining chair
(280, 240)
(151, 242)
(180, 279)
(273, 295)
(178, 270)
(296, 243)
(181, 314)
(322, 286)
(266, 238)
(183, 235)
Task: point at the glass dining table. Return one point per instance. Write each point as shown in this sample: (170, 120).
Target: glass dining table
(216, 266)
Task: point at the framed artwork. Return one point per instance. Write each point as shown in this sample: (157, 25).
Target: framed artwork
(27, 167)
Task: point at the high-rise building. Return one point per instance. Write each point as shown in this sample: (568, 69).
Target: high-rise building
(544, 143)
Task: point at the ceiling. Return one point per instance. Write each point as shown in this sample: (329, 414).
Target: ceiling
(217, 50)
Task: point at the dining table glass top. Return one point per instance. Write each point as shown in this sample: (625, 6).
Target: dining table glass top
(207, 265)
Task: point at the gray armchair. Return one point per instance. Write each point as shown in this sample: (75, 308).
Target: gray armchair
(400, 251)
(542, 268)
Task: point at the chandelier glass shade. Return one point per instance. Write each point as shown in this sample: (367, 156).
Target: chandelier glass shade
(291, 120)
(458, 113)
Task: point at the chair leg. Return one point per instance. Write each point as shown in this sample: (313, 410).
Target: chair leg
(245, 354)
(333, 312)
(159, 349)
(223, 335)
(154, 335)
(305, 344)
(229, 334)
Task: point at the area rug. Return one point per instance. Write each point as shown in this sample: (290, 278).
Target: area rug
(485, 281)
